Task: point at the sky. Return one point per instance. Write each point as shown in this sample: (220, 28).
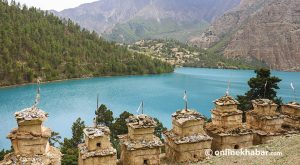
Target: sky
(54, 4)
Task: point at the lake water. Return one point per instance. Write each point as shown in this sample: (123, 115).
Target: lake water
(162, 95)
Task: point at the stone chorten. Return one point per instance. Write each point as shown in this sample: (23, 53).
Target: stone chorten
(187, 141)
(264, 120)
(226, 128)
(97, 148)
(30, 140)
(291, 113)
(140, 145)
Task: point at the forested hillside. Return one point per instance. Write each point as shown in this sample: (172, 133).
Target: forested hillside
(35, 43)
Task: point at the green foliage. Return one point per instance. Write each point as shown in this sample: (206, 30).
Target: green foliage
(77, 131)
(159, 129)
(104, 116)
(263, 86)
(3, 153)
(69, 146)
(36, 43)
(70, 159)
(119, 127)
(54, 139)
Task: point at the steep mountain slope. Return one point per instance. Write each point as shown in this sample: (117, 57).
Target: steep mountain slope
(35, 44)
(268, 30)
(131, 20)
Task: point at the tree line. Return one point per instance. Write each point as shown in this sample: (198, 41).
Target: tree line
(35, 43)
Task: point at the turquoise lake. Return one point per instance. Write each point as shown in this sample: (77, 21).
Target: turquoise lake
(162, 95)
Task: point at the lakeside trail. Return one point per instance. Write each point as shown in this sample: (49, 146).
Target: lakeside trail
(289, 146)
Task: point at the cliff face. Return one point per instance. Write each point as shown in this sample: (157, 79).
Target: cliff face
(268, 30)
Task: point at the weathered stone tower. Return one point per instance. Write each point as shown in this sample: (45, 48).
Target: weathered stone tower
(97, 148)
(226, 128)
(30, 140)
(187, 141)
(264, 120)
(140, 146)
(291, 113)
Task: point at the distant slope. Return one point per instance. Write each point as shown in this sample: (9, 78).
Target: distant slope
(132, 20)
(37, 44)
(267, 30)
(180, 54)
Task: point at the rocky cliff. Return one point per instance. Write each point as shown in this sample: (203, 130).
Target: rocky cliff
(267, 30)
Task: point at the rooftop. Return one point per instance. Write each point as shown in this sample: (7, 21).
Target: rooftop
(93, 132)
(294, 105)
(228, 132)
(86, 153)
(140, 144)
(31, 113)
(226, 100)
(187, 139)
(187, 115)
(263, 102)
(141, 121)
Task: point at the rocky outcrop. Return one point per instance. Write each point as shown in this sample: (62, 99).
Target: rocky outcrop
(267, 30)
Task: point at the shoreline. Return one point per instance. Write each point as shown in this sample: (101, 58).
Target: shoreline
(80, 78)
(88, 77)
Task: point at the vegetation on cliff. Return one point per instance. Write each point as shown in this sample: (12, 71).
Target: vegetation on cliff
(35, 44)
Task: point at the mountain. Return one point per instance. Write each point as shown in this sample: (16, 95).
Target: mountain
(266, 30)
(34, 44)
(132, 20)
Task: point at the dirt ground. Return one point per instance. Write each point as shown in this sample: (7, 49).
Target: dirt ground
(289, 146)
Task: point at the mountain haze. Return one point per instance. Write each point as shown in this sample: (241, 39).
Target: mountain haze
(132, 20)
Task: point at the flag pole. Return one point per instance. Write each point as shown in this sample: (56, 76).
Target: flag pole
(97, 101)
(228, 89)
(294, 92)
(142, 107)
(265, 89)
(38, 96)
(186, 103)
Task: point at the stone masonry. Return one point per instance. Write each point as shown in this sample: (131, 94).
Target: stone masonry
(187, 141)
(140, 146)
(226, 128)
(97, 148)
(291, 113)
(30, 140)
(264, 120)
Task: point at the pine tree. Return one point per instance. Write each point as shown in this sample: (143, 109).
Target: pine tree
(263, 86)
